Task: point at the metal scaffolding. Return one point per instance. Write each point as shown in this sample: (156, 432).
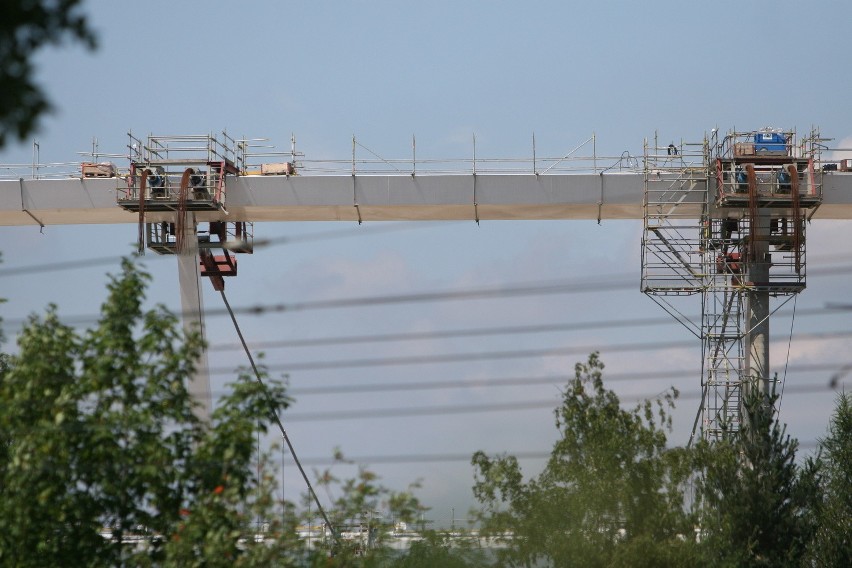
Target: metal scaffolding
(726, 219)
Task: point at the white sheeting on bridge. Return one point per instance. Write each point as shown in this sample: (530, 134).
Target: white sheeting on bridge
(373, 198)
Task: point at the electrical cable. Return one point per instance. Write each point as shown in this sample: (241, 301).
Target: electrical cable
(396, 412)
(324, 364)
(470, 332)
(320, 365)
(448, 457)
(506, 382)
(609, 283)
(420, 458)
(445, 334)
(363, 388)
(277, 418)
(523, 289)
(258, 243)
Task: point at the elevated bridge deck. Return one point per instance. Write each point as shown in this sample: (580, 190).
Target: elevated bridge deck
(617, 195)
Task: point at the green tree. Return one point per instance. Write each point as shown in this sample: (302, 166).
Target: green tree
(437, 549)
(832, 545)
(99, 445)
(610, 494)
(25, 27)
(756, 504)
(364, 514)
(369, 517)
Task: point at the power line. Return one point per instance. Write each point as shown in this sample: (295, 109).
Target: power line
(445, 334)
(607, 283)
(475, 332)
(513, 381)
(275, 241)
(418, 458)
(523, 289)
(494, 355)
(449, 457)
(514, 406)
(461, 357)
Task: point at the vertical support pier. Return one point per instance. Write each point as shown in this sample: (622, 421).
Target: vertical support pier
(757, 308)
(192, 307)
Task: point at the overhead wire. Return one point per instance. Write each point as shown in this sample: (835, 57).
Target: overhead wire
(418, 458)
(472, 332)
(442, 334)
(325, 364)
(450, 457)
(606, 283)
(522, 289)
(361, 388)
(258, 243)
(513, 406)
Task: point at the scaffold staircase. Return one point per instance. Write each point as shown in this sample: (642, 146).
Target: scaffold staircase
(674, 205)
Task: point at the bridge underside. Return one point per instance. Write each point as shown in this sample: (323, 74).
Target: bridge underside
(372, 198)
(344, 198)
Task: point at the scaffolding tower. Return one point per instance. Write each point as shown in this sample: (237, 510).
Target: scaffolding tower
(725, 219)
(174, 177)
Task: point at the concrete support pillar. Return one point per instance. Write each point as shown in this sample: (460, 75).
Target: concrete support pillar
(757, 309)
(192, 307)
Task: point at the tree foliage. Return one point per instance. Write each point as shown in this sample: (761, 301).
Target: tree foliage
(832, 544)
(103, 462)
(364, 514)
(25, 27)
(610, 494)
(756, 502)
(99, 445)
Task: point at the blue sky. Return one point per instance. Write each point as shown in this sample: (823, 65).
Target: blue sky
(444, 71)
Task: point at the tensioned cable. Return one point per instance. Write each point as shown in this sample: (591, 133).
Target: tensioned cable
(787, 358)
(274, 414)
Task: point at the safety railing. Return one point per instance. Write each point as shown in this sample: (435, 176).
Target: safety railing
(256, 157)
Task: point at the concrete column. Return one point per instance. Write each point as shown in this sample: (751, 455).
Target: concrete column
(757, 309)
(192, 308)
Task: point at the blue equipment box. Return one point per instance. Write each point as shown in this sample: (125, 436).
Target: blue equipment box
(770, 142)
